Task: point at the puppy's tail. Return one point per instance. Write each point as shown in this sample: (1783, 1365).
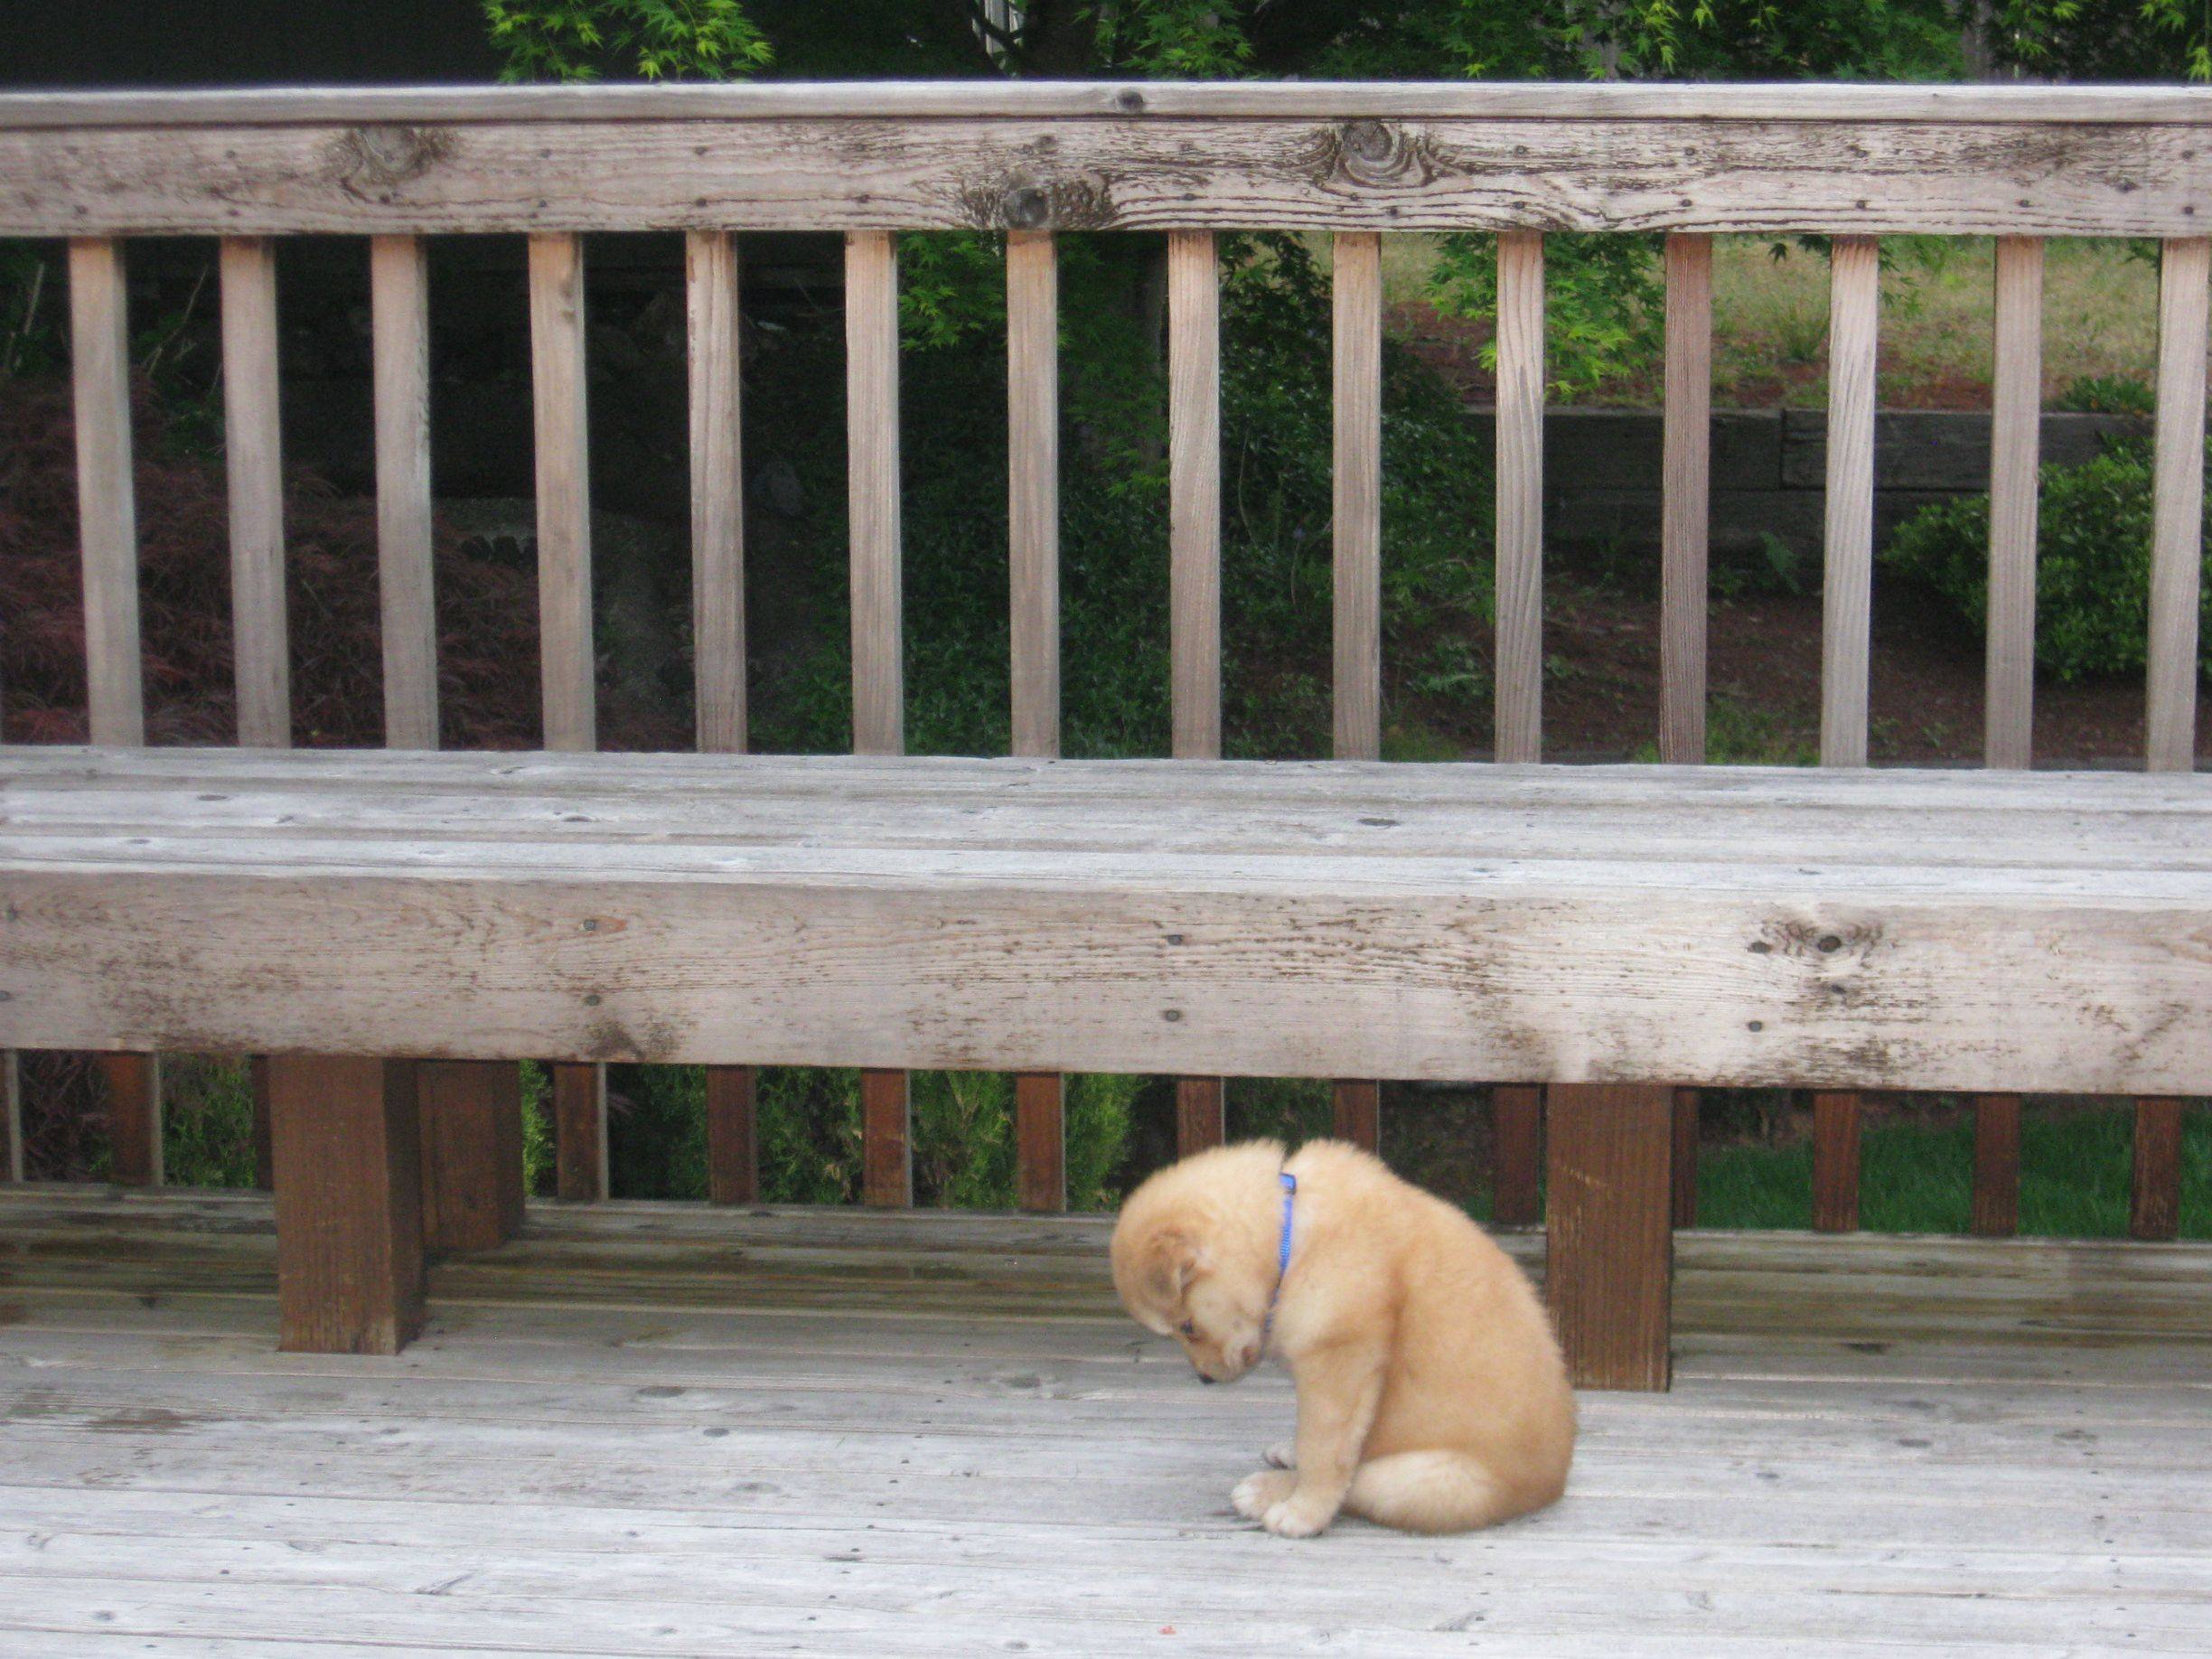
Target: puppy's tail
(1437, 1491)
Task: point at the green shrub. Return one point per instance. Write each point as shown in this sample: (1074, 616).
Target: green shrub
(2093, 564)
(2107, 394)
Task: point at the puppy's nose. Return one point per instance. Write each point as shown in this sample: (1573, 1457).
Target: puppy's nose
(1205, 1378)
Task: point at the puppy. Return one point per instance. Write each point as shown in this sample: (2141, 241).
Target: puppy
(1432, 1395)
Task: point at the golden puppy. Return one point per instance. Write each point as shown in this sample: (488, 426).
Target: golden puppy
(1430, 1391)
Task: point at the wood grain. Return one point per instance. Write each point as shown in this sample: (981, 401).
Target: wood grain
(1996, 1165)
(579, 1129)
(1609, 1256)
(347, 1145)
(11, 1117)
(1357, 284)
(718, 491)
(1520, 495)
(1357, 1113)
(1516, 1155)
(253, 455)
(2177, 500)
(107, 509)
(1835, 1161)
(1685, 490)
(2017, 404)
(2154, 1207)
(1193, 492)
(564, 490)
(399, 310)
(1701, 171)
(471, 1117)
(1032, 472)
(133, 1082)
(872, 403)
(733, 1152)
(1040, 1142)
(887, 1150)
(1199, 1115)
(1847, 541)
(1685, 1158)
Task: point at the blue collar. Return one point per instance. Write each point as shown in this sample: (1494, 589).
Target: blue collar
(1282, 1254)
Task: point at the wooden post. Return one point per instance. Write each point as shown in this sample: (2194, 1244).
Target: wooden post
(2154, 1211)
(1835, 1161)
(1520, 495)
(1516, 1155)
(718, 624)
(1040, 1142)
(1685, 1161)
(471, 1113)
(1194, 562)
(887, 1137)
(2177, 502)
(349, 1204)
(1996, 1165)
(1610, 1252)
(400, 329)
(134, 1119)
(579, 1132)
(1359, 1114)
(11, 1117)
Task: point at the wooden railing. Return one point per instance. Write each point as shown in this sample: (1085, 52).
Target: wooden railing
(1353, 160)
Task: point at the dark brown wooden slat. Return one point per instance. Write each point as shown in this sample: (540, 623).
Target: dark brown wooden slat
(1516, 1155)
(1685, 1165)
(1040, 1142)
(1996, 1165)
(733, 1155)
(1835, 1161)
(886, 1130)
(579, 1131)
(1359, 1114)
(1198, 1114)
(11, 1117)
(1610, 1252)
(134, 1117)
(471, 1114)
(2154, 1211)
(348, 1151)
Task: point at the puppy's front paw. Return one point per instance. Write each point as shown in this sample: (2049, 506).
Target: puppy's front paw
(1293, 1518)
(1256, 1495)
(1282, 1454)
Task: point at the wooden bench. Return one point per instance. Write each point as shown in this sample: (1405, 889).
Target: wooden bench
(1612, 935)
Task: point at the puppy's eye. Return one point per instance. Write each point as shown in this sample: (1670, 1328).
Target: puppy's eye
(1188, 1327)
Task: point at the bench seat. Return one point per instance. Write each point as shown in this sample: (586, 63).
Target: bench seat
(1723, 926)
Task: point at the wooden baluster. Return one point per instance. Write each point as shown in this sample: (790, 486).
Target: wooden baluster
(1686, 488)
(253, 452)
(2009, 717)
(1033, 524)
(2176, 548)
(1517, 1108)
(565, 623)
(1358, 584)
(878, 654)
(471, 1123)
(1846, 632)
(1193, 563)
(719, 626)
(108, 520)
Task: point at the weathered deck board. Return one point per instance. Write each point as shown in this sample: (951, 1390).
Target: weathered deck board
(610, 1441)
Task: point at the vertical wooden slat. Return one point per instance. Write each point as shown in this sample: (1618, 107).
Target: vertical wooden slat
(11, 1117)
(1033, 522)
(1358, 575)
(717, 621)
(878, 653)
(471, 1122)
(1996, 1165)
(134, 1117)
(1358, 1114)
(1516, 1155)
(1194, 562)
(399, 312)
(1610, 1255)
(349, 1204)
(1855, 287)
(733, 1150)
(1685, 482)
(2154, 1212)
(1193, 492)
(2177, 503)
(107, 508)
(2017, 404)
(1835, 1161)
(566, 656)
(253, 455)
(1519, 495)
(1685, 1163)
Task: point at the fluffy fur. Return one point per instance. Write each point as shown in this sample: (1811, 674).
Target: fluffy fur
(1432, 1395)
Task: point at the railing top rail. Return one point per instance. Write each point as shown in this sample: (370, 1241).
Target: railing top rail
(1033, 100)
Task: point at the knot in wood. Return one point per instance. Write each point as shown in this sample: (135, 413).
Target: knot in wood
(1374, 151)
(1027, 208)
(375, 158)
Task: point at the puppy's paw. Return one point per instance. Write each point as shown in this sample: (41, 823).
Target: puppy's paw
(1293, 1518)
(1282, 1454)
(1256, 1495)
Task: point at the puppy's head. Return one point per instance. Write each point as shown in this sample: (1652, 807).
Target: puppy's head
(1187, 1264)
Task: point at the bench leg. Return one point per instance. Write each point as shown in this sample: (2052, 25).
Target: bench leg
(579, 1132)
(1199, 1114)
(1609, 1266)
(472, 1153)
(733, 1142)
(347, 1146)
(1516, 1155)
(134, 1117)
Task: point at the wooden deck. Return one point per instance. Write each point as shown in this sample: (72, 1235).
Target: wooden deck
(655, 1430)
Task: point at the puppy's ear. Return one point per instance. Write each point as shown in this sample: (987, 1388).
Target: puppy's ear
(1173, 1262)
